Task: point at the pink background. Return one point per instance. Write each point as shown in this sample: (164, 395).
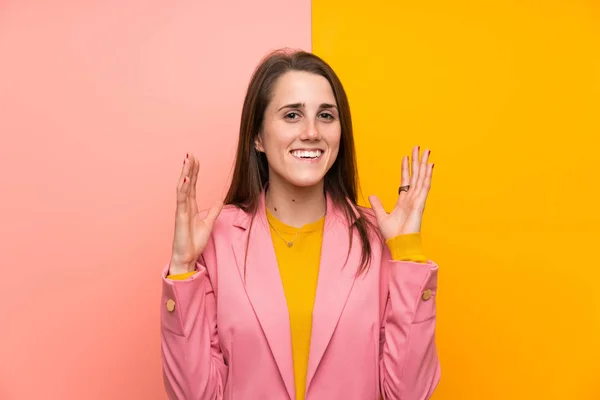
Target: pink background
(99, 101)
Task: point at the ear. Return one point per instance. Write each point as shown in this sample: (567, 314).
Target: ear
(258, 143)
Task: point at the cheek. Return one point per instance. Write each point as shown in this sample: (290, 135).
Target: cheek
(334, 136)
(278, 135)
(276, 146)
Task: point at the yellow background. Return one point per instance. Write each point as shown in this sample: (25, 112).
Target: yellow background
(507, 96)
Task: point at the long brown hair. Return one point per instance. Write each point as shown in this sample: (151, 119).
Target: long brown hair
(251, 171)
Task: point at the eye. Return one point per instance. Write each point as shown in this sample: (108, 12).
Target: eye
(326, 115)
(292, 115)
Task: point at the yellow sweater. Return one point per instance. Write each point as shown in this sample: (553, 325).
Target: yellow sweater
(299, 270)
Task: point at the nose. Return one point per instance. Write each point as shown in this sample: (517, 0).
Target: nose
(311, 131)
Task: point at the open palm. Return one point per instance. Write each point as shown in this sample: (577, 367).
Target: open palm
(407, 215)
(192, 229)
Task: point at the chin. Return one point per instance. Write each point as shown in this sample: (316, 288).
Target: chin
(305, 181)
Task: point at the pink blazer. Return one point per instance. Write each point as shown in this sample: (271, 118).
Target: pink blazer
(226, 337)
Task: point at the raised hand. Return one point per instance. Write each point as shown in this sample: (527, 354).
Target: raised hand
(191, 230)
(407, 215)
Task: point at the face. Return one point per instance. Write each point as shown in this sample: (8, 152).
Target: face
(301, 129)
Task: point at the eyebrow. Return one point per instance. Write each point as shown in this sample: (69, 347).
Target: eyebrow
(302, 105)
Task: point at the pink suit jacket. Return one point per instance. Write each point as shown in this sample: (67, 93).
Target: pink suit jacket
(228, 337)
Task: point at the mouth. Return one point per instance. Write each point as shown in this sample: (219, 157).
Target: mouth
(307, 155)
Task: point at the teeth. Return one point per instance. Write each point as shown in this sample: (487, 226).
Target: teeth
(307, 154)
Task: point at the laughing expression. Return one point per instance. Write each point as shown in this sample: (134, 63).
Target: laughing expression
(301, 129)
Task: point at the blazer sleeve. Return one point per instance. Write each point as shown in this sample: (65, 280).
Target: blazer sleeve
(409, 364)
(192, 362)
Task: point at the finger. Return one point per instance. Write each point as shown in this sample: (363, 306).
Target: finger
(183, 184)
(189, 168)
(426, 183)
(429, 175)
(183, 171)
(192, 194)
(213, 213)
(405, 177)
(415, 167)
(422, 169)
(377, 207)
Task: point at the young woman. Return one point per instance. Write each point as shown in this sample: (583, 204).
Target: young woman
(291, 290)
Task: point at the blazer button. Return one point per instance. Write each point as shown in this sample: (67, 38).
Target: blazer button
(170, 305)
(427, 294)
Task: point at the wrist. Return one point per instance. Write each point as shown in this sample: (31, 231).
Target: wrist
(406, 247)
(177, 268)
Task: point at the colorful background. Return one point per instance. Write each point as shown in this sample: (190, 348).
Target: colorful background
(99, 101)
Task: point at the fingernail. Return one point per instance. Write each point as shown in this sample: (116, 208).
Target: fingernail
(432, 165)
(184, 180)
(187, 155)
(429, 152)
(183, 162)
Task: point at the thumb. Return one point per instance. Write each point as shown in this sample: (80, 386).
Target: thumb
(213, 213)
(377, 207)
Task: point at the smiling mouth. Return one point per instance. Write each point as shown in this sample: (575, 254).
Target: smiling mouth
(307, 154)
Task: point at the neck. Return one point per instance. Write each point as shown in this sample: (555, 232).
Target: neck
(294, 205)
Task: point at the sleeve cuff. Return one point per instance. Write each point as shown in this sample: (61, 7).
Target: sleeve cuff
(407, 247)
(181, 277)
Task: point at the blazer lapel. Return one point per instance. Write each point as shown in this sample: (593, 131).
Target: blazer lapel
(336, 278)
(265, 289)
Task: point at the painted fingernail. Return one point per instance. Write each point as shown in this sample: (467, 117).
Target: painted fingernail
(183, 162)
(187, 155)
(184, 180)
(429, 152)
(432, 165)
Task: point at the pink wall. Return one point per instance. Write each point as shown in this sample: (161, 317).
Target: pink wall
(98, 104)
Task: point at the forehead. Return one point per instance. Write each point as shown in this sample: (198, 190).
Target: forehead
(302, 87)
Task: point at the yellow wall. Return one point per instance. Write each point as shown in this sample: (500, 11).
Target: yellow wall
(508, 98)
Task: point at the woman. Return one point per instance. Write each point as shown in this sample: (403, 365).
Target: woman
(291, 290)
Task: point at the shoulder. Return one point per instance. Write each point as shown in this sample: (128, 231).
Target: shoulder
(222, 231)
(366, 211)
(368, 214)
(351, 214)
(228, 215)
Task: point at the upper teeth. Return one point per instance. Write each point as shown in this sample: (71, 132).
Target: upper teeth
(306, 153)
